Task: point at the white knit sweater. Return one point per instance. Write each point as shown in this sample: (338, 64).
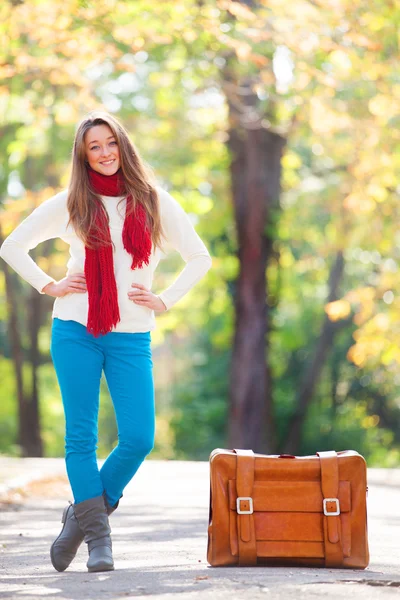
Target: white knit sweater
(49, 220)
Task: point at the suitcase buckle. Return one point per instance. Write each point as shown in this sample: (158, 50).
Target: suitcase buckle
(331, 513)
(244, 512)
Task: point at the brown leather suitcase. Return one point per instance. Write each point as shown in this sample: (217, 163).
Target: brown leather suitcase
(288, 510)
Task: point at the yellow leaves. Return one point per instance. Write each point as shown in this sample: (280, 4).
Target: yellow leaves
(44, 263)
(65, 113)
(376, 341)
(4, 95)
(373, 342)
(331, 230)
(380, 323)
(176, 63)
(370, 421)
(228, 267)
(204, 204)
(360, 353)
(28, 201)
(165, 444)
(392, 354)
(307, 264)
(326, 120)
(138, 43)
(341, 60)
(364, 297)
(14, 211)
(71, 45)
(169, 321)
(195, 202)
(374, 21)
(58, 262)
(286, 258)
(23, 61)
(357, 202)
(219, 302)
(63, 22)
(36, 198)
(237, 9)
(364, 198)
(383, 106)
(360, 40)
(7, 71)
(377, 192)
(243, 49)
(259, 60)
(302, 80)
(190, 36)
(395, 89)
(291, 160)
(337, 310)
(60, 245)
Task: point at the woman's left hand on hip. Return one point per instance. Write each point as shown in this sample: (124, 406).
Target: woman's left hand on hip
(144, 297)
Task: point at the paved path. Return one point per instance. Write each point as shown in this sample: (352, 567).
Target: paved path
(159, 538)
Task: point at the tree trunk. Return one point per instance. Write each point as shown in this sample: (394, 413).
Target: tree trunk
(29, 438)
(16, 351)
(255, 173)
(312, 374)
(36, 317)
(34, 324)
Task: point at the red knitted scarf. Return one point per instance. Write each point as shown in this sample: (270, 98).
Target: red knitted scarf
(99, 264)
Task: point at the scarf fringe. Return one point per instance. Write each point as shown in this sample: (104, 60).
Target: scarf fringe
(136, 238)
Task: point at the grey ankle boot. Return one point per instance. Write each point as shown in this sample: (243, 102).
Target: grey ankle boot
(64, 548)
(93, 520)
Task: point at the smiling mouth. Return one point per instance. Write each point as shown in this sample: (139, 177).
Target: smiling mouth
(108, 162)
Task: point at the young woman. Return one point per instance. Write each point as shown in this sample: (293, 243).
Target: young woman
(117, 223)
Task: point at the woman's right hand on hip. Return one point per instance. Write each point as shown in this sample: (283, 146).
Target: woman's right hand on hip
(69, 285)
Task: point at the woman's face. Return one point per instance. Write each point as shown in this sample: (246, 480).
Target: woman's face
(102, 150)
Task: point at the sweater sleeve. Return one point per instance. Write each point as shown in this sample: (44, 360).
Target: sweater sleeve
(44, 223)
(183, 237)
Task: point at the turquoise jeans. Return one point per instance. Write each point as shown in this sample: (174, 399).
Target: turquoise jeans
(126, 359)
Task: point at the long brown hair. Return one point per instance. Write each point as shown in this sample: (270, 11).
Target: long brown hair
(83, 203)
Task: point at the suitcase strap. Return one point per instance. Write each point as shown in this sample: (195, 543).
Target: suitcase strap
(244, 507)
(331, 508)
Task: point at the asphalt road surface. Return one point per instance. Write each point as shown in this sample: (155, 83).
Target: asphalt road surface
(160, 538)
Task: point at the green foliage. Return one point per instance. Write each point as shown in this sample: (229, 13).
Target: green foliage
(51, 412)
(350, 425)
(8, 409)
(199, 408)
(165, 69)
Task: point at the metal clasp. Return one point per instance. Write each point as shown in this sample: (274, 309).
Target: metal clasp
(244, 512)
(331, 513)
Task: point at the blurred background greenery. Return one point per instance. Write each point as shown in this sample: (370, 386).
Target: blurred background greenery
(276, 126)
